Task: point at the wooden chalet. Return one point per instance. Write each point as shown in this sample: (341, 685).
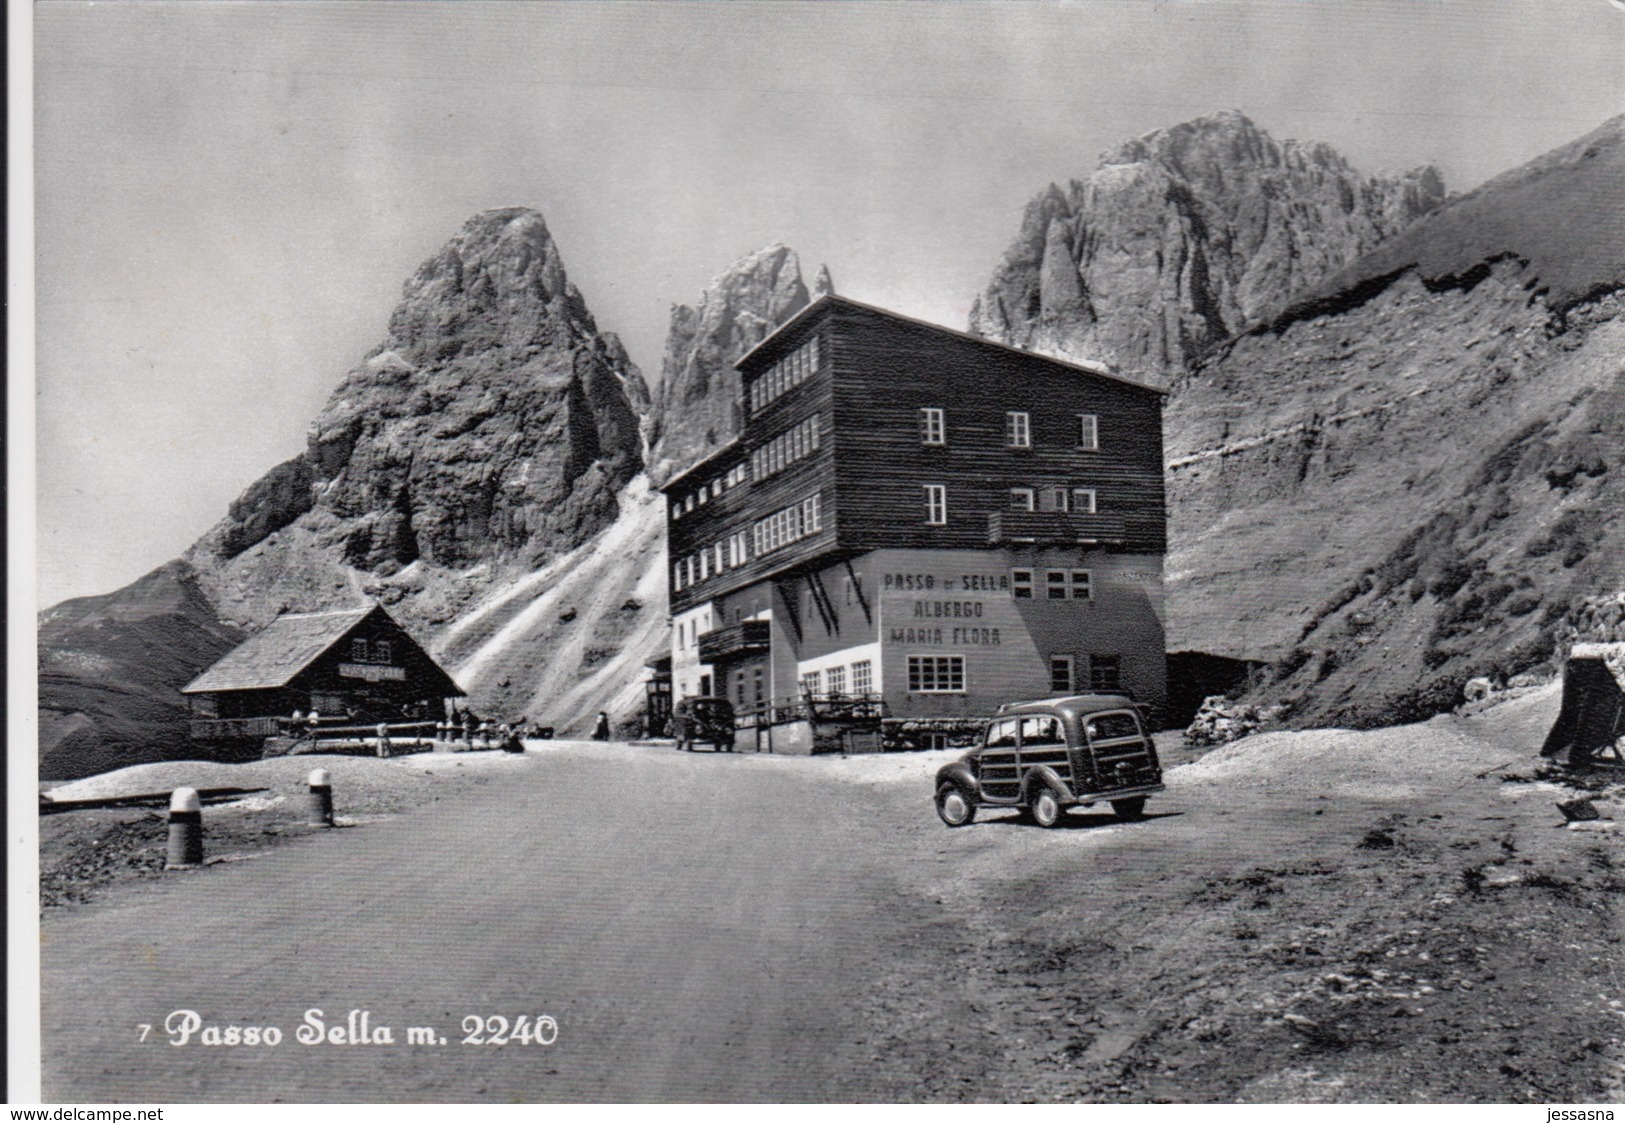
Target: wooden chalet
(358, 665)
(923, 519)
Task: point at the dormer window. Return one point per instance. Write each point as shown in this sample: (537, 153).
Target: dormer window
(1021, 499)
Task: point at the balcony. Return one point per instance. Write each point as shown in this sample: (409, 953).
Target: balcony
(748, 637)
(1041, 527)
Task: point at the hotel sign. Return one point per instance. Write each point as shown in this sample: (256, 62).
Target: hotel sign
(372, 672)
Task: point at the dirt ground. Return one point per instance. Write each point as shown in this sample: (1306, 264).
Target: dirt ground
(84, 852)
(1393, 916)
(1399, 915)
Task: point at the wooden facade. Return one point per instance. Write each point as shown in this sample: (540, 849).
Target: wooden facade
(902, 493)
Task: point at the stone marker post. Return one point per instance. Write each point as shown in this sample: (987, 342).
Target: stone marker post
(383, 739)
(185, 830)
(321, 799)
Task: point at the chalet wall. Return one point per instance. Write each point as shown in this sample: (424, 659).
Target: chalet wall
(886, 371)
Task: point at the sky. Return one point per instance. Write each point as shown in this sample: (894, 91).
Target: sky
(229, 196)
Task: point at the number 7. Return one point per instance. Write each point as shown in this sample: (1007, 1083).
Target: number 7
(145, 1029)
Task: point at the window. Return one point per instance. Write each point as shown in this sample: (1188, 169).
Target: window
(382, 652)
(936, 505)
(677, 577)
(1105, 672)
(811, 681)
(1088, 431)
(792, 370)
(705, 564)
(788, 525)
(786, 448)
(716, 562)
(1083, 500)
(1017, 430)
(936, 674)
(1057, 499)
(1082, 587)
(1111, 727)
(1041, 730)
(933, 427)
(1002, 734)
(705, 686)
(1021, 584)
(1061, 584)
(837, 680)
(863, 680)
(1021, 499)
(1055, 582)
(358, 650)
(1060, 673)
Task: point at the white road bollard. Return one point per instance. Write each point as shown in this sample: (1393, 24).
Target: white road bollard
(383, 739)
(185, 830)
(321, 799)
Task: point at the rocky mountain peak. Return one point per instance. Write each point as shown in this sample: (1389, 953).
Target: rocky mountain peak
(824, 285)
(494, 421)
(1184, 236)
(737, 310)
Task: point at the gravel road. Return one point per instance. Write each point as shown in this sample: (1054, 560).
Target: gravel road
(1316, 917)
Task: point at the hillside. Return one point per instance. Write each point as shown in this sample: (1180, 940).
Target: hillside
(1409, 476)
(1182, 238)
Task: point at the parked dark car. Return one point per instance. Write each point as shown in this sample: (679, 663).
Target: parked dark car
(704, 719)
(1048, 755)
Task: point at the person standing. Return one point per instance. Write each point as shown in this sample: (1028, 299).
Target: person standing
(600, 731)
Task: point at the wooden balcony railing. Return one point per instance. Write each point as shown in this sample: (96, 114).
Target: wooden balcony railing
(744, 638)
(1053, 526)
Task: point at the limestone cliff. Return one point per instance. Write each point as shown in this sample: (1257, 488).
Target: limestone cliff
(697, 407)
(1183, 237)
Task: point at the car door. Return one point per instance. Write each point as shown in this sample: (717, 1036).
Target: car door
(998, 765)
(1121, 751)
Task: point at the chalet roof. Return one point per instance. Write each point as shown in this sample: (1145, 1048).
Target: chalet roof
(286, 646)
(830, 300)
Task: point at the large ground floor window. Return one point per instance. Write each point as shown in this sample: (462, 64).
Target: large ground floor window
(936, 674)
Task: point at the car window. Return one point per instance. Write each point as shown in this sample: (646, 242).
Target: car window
(1001, 734)
(1041, 730)
(1106, 727)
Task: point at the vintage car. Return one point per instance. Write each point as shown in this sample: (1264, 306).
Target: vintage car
(1045, 756)
(704, 719)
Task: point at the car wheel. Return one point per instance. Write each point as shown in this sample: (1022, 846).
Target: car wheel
(1045, 807)
(954, 807)
(1130, 809)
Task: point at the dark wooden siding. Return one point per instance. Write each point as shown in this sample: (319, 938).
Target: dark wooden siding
(887, 370)
(738, 509)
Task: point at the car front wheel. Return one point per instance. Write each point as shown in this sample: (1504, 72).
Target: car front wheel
(1045, 807)
(1130, 809)
(953, 806)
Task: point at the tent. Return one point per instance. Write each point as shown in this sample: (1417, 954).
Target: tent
(1592, 719)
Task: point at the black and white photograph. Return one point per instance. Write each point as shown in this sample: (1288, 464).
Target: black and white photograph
(766, 551)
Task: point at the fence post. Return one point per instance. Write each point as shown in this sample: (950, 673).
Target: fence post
(185, 830)
(321, 799)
